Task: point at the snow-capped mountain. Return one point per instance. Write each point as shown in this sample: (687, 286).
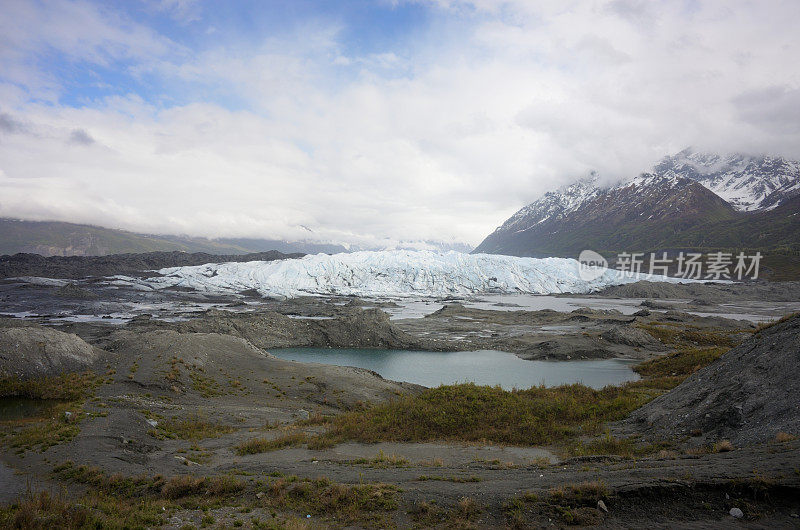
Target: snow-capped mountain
(394, 273)
(690, 199)
(746, 182)
(554, 204)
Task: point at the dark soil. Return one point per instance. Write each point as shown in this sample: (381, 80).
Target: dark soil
(748, 395)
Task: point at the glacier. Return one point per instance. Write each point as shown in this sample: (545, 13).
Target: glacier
(391, 273)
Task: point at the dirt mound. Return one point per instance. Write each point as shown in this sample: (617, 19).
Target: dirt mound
(352, 328)
(631, 336)
(34, 351)
(212, 364)
(747, 396)
(72, 291)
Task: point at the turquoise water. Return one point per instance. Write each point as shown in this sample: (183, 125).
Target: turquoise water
(485, 367)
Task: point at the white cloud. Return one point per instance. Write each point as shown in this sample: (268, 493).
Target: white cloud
(440, 142)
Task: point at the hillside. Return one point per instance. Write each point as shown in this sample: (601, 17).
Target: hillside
(53, 238)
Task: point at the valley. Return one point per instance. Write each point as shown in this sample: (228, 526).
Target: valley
(182, 414)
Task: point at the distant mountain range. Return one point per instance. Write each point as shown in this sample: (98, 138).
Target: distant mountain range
(54, 238)
(691, 200)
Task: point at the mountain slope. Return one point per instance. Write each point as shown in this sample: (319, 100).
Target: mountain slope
(641, 213)
(673, 207)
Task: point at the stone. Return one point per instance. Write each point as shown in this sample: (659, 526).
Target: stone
(736, 513)
(602, 505)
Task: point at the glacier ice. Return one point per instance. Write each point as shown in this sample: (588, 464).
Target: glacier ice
(392, 273)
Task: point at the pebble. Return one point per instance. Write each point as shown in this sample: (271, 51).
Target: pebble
(602, 505)
(736, 512)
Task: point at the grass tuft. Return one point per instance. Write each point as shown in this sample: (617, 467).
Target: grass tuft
(264, 445)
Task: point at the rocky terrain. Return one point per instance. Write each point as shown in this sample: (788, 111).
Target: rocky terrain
(185, 418)
(748, 396)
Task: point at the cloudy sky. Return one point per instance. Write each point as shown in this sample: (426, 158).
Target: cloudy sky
(370, 121)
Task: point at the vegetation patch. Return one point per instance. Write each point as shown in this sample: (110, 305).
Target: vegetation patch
(562, 415)
(536, 416)
(570, 504)
(206, 386)
(264, 445)
(67, 387)
(382, 461)
(681, 363)
(462, 515)
(67, 392)
(452, 478)
(193, 427)
(322, 497)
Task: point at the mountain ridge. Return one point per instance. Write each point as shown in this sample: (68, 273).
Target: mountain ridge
(672, 207)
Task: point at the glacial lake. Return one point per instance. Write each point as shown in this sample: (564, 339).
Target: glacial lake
(484, 367)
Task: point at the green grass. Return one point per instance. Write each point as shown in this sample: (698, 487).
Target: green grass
(467, 412)
(193, 427)
(320, 497)
(68, 393)
(381, 461)
(323, 497)
(452, 478)
(562, 416)
(682, 363)
(207, 386)
(69, 387)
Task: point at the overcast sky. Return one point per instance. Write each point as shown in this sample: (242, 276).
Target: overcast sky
(371, 121)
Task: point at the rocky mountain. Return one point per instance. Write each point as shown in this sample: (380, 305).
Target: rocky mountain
(747, 182)
(690, 200)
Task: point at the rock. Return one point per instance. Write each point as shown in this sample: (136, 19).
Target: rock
(260, 495)
(746, 396)
(71, 290)
(736, 513)
(631, 336)
(601, 505)
(36, 351)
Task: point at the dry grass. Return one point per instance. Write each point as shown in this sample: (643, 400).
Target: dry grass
(382, 461)
(723, 446)
(783, 437)
(192, 427)
(264, 445)
(767, 325)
